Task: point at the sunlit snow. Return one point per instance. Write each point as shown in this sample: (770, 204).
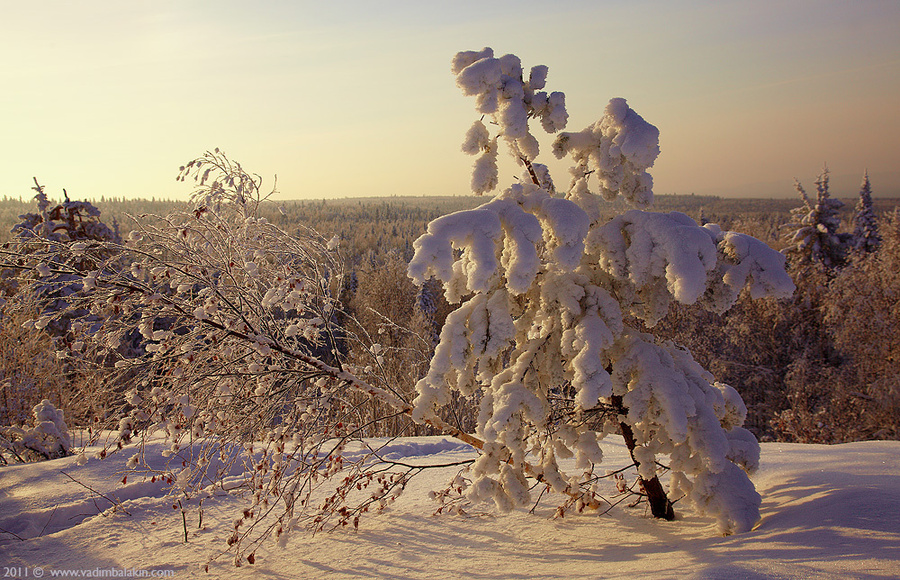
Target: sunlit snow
(827, 512)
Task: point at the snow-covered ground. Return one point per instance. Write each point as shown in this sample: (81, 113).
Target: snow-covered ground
(828, 512)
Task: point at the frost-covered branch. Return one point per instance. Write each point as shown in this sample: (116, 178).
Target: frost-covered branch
(223, 334)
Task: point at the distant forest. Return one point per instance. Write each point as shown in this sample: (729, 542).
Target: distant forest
(381, 224)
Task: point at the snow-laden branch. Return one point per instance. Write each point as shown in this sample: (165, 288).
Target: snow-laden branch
(619, 149)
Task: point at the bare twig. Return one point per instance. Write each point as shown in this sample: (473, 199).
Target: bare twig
(48, 520)
(115, 503)
(17, 536)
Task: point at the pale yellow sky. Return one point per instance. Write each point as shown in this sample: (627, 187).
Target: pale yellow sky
(108, 98)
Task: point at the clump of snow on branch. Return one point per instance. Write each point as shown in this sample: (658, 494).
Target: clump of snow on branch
(618, 149)
(546, 291)
(503, 93)
(657, 257)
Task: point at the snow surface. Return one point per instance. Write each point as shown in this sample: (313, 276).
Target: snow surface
(827, 512)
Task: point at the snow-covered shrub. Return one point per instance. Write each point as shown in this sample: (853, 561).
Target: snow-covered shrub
(241, 363)
(29, 369)
(556, 305)
(46, 438)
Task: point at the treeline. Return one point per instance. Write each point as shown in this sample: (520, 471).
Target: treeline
(818, 368)
(392, 223)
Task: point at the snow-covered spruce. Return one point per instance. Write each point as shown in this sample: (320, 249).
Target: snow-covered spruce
(865, 225)
(45, 247)
(554, 305)
(813, 236)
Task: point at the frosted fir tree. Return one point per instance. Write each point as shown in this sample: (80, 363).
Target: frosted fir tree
(555, 305)
(54, 236)
(865, 231)
(69, 221)
(813, 233)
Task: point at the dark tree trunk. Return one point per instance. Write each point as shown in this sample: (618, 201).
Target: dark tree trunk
(660, 506)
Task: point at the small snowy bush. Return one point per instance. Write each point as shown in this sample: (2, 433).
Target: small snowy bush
(220, 332)
(47, 437)
(556, 306)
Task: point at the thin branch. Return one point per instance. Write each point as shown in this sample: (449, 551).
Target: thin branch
(48, 520)
(429, 466)
(115, 503)
(17, 536)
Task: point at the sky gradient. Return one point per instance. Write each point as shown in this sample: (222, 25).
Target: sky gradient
(109, 98)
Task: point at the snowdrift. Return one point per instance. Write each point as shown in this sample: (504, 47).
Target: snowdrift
(828, 512)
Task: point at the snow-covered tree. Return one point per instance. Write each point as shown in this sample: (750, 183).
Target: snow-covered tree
(69, 223)
(42, 270)
(865, 230)
(556, 304)
(813, 233)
